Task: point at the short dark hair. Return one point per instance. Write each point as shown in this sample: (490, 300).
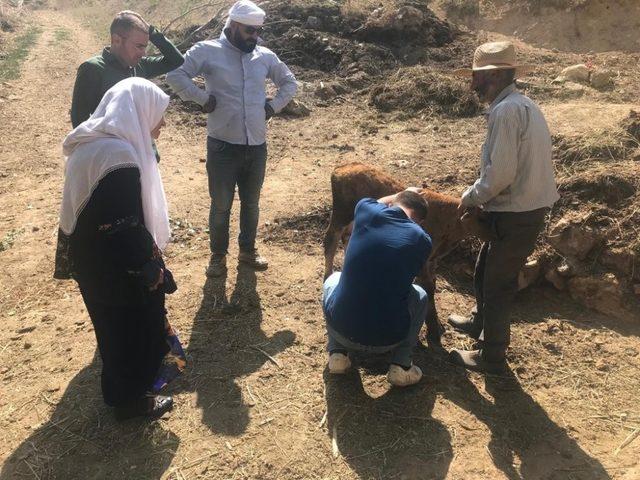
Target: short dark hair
(126, 21)
(415, 202)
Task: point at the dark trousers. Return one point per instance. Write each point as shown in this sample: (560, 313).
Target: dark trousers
(132, 343)
(229, 165)
(496, 275)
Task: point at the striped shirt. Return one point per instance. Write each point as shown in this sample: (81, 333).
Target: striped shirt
(516, 171)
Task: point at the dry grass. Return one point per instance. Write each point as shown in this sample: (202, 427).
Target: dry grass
(419, 90)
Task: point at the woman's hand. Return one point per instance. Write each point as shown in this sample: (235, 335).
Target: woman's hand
(159, 282)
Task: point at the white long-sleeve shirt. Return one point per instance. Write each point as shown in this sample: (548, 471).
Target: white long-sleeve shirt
(516, 169)
(237, 80)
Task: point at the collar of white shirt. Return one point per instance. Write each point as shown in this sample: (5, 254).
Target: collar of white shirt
(508, 90)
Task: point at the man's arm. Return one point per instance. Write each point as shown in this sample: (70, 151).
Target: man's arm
(502, 149)
(285, 82)
(87, 93)
(181, 79)
(170, 59)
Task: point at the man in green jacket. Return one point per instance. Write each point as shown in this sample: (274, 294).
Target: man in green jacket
(130, 35)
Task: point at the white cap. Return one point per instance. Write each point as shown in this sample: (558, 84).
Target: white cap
(247, 13)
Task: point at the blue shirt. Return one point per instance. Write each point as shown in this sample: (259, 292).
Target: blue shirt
(237, 80)
(385, 253)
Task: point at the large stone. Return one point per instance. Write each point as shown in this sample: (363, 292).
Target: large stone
(619, 259)
(601, 293)
(575, 73)
(571, 238)
(313, 22)
(529, 274)
(359, 79)
(572, 90)
(556, 279)
(601, 78)
(296, 109)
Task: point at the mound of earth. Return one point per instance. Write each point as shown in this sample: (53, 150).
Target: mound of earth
(417, 90)
(335, 38)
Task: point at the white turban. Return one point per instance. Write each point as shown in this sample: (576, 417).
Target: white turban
(247, 13)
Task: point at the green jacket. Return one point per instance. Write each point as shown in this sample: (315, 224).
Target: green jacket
(100, 73)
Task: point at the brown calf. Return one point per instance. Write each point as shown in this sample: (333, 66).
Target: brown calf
(354, 181)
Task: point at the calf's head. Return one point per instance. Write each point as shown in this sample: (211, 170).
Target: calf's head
(477, 223)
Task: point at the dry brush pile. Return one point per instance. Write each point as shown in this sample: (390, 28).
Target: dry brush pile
(350, 47)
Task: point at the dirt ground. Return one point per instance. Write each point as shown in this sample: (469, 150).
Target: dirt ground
(256, 401)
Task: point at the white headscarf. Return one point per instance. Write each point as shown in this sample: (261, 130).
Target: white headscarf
(247, 13)
(127, 112)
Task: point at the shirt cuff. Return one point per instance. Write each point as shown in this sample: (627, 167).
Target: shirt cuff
(469, 199)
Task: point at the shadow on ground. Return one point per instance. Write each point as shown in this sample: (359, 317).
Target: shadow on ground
(227, 343)
(391, 436)
(82, 440)
(396, 436)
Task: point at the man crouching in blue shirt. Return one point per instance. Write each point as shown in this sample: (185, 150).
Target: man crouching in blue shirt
(372, 306)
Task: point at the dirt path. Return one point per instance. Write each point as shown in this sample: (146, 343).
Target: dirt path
(255, 402)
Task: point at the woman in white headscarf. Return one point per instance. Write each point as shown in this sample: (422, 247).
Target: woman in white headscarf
(113, 226)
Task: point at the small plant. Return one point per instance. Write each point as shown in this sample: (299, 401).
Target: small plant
(7, 242)
(13, 58)
(462, 8)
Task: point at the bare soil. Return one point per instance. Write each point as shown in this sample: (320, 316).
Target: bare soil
(256, 402)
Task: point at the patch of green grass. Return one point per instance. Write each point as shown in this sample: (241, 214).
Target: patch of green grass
(62, 35)
(12, 60)
(7, 242)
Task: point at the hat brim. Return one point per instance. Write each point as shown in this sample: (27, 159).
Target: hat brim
(468, 72)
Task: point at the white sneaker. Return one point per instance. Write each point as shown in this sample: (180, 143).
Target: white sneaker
(339, 363)
(400, 377)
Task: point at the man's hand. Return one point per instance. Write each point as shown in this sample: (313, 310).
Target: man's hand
(461, 210)
(210, 106)
(268, 110)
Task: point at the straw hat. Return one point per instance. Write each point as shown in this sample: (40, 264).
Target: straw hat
(494, 56)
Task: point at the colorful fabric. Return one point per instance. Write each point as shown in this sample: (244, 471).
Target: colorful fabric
(173, 363)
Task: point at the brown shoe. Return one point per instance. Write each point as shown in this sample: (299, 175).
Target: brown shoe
(465, 325)
(253, 260)
(217, 266)
(473, 360)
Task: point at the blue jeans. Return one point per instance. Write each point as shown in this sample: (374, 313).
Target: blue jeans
(400, 352)
(229, 165)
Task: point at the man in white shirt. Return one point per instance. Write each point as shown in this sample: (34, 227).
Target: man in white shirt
(517, 187)
(235, 69)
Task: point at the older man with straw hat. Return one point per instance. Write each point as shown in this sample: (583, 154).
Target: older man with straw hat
(517, 188)
(235, 69)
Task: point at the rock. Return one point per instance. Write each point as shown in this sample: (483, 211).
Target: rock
(529, 274)
(358, 80)
(557, 280)
(619, 259)
(601, 293)
(601, 78)
(602, 365)
(296, 109)
(575, 73)
(313, 22)
(572, 90)
(408, 17)
(571, 238)
(325, 91)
